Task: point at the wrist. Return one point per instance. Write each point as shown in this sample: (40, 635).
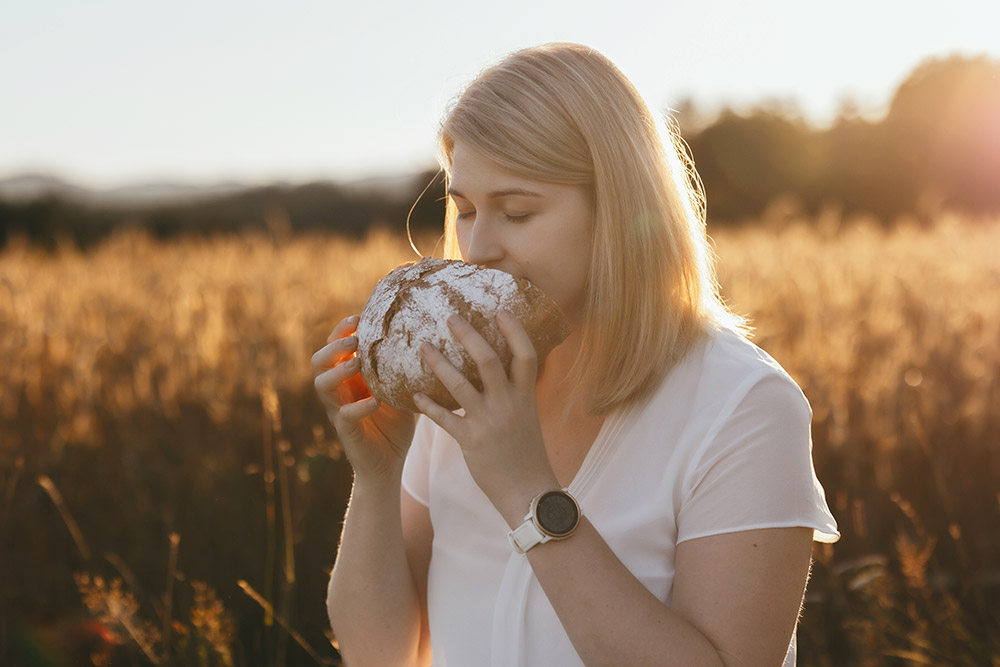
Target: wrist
(552, 515)
(378, 482)
(517, 501)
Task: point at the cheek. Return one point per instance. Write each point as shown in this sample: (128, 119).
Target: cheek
(564, 279)
(576, 271)
(462, 239)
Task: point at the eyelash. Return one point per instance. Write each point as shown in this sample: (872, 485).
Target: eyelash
(509, 218)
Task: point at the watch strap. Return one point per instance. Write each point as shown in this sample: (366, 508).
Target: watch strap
(526, 536)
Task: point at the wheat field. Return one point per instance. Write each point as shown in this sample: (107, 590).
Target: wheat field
(171, 490)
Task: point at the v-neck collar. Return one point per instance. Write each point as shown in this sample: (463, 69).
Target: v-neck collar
(603, 445)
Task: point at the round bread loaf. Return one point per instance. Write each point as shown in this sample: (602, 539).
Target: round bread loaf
(412, 305)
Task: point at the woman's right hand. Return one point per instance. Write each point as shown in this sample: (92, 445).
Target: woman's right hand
(375, 436)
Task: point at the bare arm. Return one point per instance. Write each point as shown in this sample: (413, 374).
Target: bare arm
(744, 590)
(735, 602)
(378, 592)
(376, 606)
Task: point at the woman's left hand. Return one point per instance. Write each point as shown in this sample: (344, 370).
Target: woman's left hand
(500, 433)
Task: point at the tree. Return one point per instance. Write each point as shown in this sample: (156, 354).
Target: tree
(747, 161)
(944, 124)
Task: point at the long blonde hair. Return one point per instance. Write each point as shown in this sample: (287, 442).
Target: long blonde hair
(564, 113)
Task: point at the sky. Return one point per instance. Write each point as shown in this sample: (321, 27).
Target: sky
(116, 92)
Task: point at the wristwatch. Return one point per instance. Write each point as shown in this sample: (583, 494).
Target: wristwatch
(553, 515)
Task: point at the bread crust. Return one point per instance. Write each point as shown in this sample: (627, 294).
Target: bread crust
(411, 305)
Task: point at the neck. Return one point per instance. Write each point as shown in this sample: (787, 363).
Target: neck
(551, 387)
(560, 360)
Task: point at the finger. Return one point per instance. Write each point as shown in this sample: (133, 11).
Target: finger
(491, 370)
(353, 388)
(348, 416)
(441, 416)
(333, 353)
(344, 327)
(457, 385)
(330, 384)
(524, 365)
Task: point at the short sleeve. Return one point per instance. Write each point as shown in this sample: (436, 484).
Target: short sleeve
(755, 469)
(416, 468)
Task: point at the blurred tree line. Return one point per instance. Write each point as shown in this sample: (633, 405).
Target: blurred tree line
(273, 210)
(938, 147)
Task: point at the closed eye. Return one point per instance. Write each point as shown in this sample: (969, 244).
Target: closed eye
(508, 217)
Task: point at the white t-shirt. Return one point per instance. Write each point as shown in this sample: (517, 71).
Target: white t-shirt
(723, 445)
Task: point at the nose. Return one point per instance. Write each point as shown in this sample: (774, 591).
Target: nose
(483, 245)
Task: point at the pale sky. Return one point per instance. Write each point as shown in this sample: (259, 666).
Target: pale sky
(115, 92)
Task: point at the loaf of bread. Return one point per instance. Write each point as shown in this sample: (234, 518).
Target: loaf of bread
(412, 305)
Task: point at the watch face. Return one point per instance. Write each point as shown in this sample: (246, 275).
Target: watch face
(557, 513)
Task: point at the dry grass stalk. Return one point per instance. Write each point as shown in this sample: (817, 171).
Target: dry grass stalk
(119, 611)
(269, 609)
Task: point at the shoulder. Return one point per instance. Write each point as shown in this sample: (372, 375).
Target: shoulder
(731, 354)
(724, 391)
(722, 371)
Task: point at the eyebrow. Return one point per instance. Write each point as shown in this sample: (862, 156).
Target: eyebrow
(496, 194)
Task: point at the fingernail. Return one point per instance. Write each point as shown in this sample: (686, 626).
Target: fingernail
(353, 364)
(350, 342)
(504, 315)
(454, 320)
(354, 319)
(418, 399)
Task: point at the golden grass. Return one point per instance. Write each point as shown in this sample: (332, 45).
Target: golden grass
(178, 374)
(875, 313)
(191, 320)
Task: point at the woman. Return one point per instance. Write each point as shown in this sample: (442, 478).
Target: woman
(644, 497)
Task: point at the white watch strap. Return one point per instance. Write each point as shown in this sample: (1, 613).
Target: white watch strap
(526, 536)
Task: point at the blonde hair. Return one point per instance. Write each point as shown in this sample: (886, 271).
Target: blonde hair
(563, 113)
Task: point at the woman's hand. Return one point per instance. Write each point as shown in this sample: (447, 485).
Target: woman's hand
(500, 433)
(375, 436)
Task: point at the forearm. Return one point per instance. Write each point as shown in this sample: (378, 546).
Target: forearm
(373, 604)
(610, 617)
